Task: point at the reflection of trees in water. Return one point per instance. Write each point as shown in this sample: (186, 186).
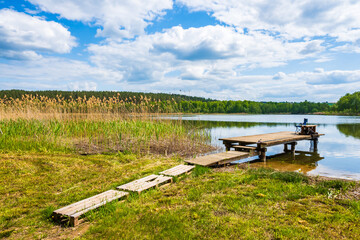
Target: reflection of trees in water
(352, 130)
(214, 124)
(223, 124)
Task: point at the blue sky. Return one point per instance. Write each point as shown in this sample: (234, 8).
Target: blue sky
(262, 50)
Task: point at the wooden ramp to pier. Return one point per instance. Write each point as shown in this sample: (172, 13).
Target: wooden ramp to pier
(219, 158)
(75, 210)
(178, 170)
(145, 183)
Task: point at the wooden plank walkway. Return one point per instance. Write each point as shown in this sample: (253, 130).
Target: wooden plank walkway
(145, 183)
(75, 210)
(219, 158)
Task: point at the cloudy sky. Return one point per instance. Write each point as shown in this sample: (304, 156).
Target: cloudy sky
(263, 50)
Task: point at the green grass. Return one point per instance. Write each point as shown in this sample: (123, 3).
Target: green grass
(33, 185)
(254, 204)
(207, 204)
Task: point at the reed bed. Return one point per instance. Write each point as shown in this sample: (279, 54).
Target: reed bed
(94, 108)
(93, 125)
(94, 136)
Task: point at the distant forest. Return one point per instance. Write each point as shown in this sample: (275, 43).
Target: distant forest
(125, 96)
(348, 104)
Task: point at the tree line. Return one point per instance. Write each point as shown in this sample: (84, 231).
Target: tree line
(348, 104)
(124, 96)
(253, 107)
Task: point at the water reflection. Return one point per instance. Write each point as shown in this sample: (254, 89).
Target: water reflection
(352, 130)
(301, 161)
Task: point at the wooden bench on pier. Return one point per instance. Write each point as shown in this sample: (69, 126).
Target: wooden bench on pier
(75, 210)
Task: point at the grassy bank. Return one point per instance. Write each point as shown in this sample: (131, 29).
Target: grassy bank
(208, 204)
(239, 204)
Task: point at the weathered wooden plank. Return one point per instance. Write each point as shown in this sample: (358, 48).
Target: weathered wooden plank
(178, 170)
(217, 158)
(244, 147)
(145, 183)
(75, 210)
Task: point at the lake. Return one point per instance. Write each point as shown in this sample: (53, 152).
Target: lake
(338, 153)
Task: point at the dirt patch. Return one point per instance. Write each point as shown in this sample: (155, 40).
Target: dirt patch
(351, 194)
(168, 147)
(68, 232)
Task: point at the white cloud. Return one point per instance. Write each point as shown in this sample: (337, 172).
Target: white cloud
(337, 77)
(347, 48)
(293, 19)
(82, 86)
(209, 62)
(54, 73)
(206, 53)
(349, 36)
(57, 73)
(21, 36)
(118, 19)
(320, 77)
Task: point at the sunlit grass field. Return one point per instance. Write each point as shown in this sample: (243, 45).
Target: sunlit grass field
(52, 156)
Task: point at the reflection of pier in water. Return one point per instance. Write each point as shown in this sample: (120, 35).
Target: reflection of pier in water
(301, 161)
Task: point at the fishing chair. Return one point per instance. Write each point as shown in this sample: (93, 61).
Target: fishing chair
(298, 126)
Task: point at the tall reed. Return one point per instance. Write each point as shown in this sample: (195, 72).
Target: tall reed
(41, 107)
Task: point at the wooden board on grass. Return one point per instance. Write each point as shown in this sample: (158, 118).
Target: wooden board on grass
(178, 170)
(75, 210)
(145, 183)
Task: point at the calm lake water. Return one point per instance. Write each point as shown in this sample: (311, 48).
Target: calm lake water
(338, 153)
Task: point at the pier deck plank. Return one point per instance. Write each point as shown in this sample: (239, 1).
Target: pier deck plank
(219, 158)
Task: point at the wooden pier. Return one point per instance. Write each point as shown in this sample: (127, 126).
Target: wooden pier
(263, 141)
(248, 146)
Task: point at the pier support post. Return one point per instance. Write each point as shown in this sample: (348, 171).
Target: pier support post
(263, 154)
(293, 144)
(227, 146)
(315, 144)
(286, 148)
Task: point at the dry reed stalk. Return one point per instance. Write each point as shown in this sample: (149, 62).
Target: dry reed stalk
(41, 107)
